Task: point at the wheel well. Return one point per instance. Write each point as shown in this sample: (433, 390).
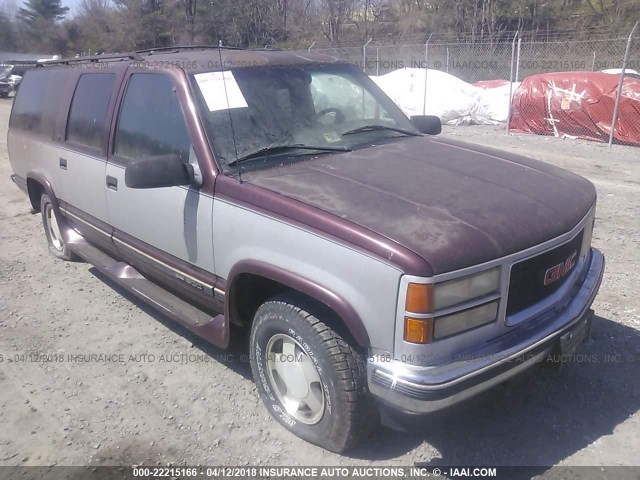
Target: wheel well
(249, 291)
(36, 189)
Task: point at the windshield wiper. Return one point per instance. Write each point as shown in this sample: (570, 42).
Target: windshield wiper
(275, 149)
(371, 128)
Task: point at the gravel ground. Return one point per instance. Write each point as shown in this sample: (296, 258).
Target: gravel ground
(199, 405)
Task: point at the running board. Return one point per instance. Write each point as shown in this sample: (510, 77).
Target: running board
(212, 329)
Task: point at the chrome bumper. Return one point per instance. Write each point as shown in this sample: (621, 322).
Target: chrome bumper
(413, 389)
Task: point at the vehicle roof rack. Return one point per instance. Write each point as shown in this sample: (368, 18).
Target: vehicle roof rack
(137, 55)
(18, 62)
(178, 48)
(111, 57)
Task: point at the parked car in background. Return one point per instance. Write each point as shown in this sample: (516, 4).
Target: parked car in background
(15, 81)
(5, 89)
(376, 266)
(10, 78)
(6, 85)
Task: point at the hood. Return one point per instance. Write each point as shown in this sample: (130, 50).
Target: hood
(452, 203)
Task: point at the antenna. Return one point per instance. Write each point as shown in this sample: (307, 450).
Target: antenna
(233, 134)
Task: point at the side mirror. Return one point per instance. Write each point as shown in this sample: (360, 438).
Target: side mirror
(429, 124)
(158, 171)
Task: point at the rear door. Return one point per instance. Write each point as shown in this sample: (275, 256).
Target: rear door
(165, 232)
(82, 158)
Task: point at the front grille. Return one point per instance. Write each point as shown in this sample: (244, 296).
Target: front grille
(526, 286)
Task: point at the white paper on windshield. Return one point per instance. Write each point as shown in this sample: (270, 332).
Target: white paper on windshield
(213, 84)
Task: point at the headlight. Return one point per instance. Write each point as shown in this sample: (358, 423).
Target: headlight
(465, 320)
(466, 288)
(422, 322)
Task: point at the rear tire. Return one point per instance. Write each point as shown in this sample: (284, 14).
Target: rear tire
(55, 240)
(311, 380)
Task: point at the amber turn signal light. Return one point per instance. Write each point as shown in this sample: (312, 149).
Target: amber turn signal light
(419, 298)
(418, 330)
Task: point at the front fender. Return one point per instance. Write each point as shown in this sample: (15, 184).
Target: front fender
(339, 305)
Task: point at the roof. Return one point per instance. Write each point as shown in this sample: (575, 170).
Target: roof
(195, 59)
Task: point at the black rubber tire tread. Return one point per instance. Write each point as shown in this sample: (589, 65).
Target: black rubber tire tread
(350, 365)
(357, 411)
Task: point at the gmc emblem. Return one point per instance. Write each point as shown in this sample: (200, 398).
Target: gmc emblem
(556, 272)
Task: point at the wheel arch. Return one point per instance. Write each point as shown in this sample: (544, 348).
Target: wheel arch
(37, 184)
(263, 281)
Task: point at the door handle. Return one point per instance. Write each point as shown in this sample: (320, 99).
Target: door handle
(63, 164)
(112, 182)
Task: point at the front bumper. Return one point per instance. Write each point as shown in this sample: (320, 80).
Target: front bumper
(414, 389)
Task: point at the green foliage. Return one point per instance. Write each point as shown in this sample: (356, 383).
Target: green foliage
(148, 23)
(47, 10)
(38, 27)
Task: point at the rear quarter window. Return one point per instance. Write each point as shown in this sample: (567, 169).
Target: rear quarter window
(38, 102)
(88, 113)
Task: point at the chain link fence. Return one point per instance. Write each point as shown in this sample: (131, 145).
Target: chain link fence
(570, 104)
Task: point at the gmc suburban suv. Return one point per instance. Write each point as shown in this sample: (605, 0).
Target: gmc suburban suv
(377, 266)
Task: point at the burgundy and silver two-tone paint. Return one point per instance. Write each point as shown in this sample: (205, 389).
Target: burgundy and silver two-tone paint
(447, 267)
(462, 212)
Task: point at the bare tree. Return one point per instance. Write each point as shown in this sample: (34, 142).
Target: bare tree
(190, 9)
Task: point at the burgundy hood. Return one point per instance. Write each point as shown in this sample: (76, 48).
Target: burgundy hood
(452, 203)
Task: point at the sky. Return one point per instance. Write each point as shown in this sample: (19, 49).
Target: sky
(72, 4)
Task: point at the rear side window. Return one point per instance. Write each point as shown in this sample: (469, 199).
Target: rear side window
(151, 121)
(38, 101)
(88, 112)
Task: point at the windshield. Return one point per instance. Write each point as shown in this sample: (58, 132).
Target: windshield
(265, 108)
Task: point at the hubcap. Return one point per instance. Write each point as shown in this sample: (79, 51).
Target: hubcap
(295, 379)
(54, 228)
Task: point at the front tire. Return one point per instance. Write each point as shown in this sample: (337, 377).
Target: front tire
(311, 380)
(55, 240)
